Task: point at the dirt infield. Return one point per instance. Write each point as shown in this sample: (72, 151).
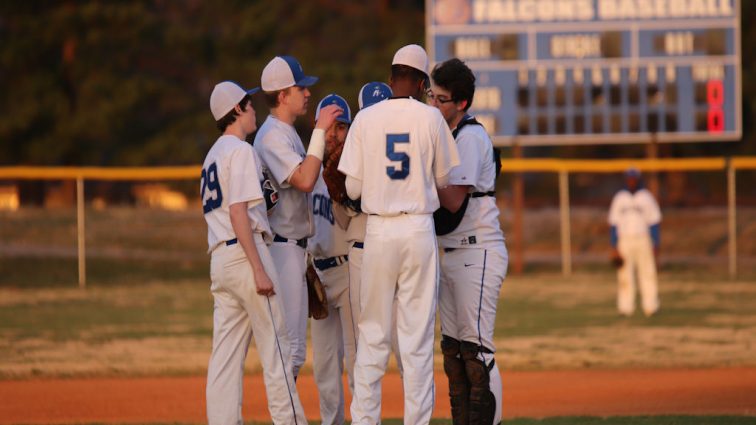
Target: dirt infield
(526, 394)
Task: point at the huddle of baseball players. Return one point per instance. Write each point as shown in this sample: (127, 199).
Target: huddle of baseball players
(394, 207)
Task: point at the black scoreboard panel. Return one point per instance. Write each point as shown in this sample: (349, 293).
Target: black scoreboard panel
(596, 71)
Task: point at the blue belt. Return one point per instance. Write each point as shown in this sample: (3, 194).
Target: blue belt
(302, 243)
(231, 241)
(482, 194)
(359, 245)
(327, 263)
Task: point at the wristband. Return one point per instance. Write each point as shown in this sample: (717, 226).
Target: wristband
(317, 144)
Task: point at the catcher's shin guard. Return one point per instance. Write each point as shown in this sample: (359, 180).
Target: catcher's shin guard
(459, 386)
(482, 400)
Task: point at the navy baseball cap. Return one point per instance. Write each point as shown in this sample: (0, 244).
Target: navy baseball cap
(373, 92)
(632, 172)
(334, 99)
(284, 72)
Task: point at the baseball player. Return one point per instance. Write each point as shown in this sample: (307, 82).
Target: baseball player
(356, 221)
(294, 173)
(397, 152)
(634, 217)
(332, 337)
(475, 258)
(241, 269)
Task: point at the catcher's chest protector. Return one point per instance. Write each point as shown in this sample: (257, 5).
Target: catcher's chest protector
(444, 220)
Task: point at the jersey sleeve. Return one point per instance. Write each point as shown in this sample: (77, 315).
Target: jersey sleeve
(279, 156)
(651, 211)
(467, 173)
(351, 157)
(445, 157)
(614, 210)
(244, 185)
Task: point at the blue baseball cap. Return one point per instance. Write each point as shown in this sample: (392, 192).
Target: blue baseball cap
(334, 99)
(372, 93)
(632, 172)
(284, 72)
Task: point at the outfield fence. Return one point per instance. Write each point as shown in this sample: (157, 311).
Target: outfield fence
(562, 167)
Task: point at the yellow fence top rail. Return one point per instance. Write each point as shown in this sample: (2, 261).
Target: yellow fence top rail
(744, 162)
(102, 173)
(507, 166)
(612, 165)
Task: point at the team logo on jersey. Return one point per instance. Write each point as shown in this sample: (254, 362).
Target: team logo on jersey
(322, 206)
(270, 192)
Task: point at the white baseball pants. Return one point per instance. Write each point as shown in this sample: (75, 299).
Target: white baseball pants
(471, 280)
(638, 255)
(240, 313)
(333, 342)
(290, 262)
(400, 259)
(355, 271)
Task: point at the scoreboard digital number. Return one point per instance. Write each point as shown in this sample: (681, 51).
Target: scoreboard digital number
(553, 72)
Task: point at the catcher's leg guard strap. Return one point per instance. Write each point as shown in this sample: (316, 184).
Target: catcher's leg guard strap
(459, 386)
(482, 400)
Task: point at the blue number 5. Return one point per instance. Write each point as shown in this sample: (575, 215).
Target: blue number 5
(211, 183)
(391, 171)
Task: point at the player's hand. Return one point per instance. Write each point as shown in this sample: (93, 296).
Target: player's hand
(327, 116)
(616, 259)
(263, 284)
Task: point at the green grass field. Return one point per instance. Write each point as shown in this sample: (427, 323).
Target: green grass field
(126, 245)
(148, 310)
(544, 322)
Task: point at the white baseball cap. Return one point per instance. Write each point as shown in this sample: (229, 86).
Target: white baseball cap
(413, 56)
(284, 72)
(225, 96)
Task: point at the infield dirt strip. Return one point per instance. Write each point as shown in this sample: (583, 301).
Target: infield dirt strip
(526, 394)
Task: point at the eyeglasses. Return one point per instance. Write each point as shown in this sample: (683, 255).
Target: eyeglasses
(438, 99)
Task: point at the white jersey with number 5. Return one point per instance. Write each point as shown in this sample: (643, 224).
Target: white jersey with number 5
(232, 173)
(390, 149)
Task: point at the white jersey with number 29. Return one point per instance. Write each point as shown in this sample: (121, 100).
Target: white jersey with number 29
(231, 174)
(398, 148)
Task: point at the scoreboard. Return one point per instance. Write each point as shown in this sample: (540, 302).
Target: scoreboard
(552, 72)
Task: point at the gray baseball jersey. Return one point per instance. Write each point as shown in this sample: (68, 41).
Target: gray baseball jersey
(281, 150)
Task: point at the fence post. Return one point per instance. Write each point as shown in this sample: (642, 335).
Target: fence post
(518, 193)
(732, 220)
(80, 231)
(652, 178)
(564, 214)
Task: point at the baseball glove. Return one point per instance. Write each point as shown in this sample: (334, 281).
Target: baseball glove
(334, 179)
(617, 261)
(317, 301)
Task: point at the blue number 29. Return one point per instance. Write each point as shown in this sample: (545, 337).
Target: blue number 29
(210, 182)
(391, 171)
